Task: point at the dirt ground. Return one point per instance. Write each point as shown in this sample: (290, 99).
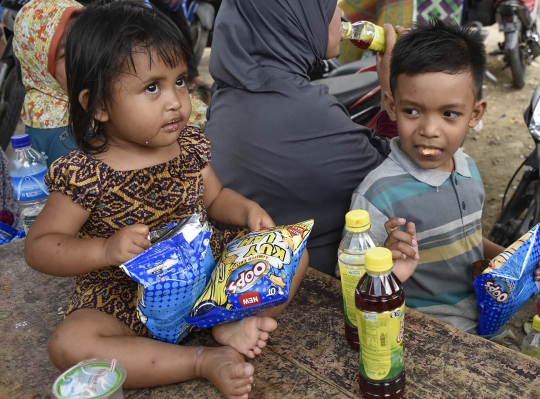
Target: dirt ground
(498, 149)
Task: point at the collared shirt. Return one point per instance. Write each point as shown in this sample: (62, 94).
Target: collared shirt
(446, 208)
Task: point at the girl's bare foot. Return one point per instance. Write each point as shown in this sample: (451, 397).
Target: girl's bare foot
(247, 336)
(226, 369)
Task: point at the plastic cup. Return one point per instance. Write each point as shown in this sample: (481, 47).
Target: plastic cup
(91, 379)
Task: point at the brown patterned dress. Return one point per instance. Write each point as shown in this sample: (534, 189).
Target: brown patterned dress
(155, 196)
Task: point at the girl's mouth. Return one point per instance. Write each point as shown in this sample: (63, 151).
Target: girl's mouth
(428, 151)
(172, 126)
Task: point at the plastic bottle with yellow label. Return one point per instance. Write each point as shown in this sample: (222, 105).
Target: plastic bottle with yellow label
(364, 34)
(351, 254)
(380, 305)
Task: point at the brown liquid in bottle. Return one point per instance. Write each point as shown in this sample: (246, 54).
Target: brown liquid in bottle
(381, 293)
(361, 44)
(351, 335)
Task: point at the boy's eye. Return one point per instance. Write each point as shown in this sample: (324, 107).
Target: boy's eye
(410, 111)
(180, 82)
(451, 114)
(152, 89)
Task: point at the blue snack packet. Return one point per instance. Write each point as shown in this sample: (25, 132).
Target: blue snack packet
(8, 233)
(171, 274)
(254, 273)
(504, 287)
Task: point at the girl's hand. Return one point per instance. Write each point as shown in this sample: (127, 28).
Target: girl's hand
(404, 247)
(537, 273)
(257, 218)
(125, 244)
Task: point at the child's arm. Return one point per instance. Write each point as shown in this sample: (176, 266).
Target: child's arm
(404, 247)
(227, 206)
(491, 249)
(52, 245)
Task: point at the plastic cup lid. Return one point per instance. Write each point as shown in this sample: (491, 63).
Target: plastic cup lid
(90, 379)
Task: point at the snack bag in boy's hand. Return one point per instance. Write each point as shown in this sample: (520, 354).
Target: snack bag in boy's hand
(172, 274)
(254, 273)
(508, 282)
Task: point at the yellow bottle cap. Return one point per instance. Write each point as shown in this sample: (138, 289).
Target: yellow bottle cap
(379, 260)
(357, 220)
(536, 323)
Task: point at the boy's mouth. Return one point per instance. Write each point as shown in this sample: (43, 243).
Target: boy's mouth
(428, 151)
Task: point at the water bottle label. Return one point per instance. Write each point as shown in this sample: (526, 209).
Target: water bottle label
(30, 188)
(381, 343)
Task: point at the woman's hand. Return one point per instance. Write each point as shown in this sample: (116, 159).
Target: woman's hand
(383, 59)
(125, 244)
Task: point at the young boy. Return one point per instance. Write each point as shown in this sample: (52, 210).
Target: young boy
(436, 74)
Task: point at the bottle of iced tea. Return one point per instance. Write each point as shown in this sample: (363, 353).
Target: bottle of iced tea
(351, 255)
(380, 305)
(364, 34)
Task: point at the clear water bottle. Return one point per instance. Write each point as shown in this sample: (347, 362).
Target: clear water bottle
(351, 259)
(27, 169)
(531, 343)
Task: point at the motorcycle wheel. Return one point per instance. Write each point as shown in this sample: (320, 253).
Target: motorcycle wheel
(11, 102)
(199, 37)
(516, 60)
(521, 213)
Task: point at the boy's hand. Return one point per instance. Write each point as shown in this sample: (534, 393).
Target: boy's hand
(404, 247)
(125, 244)
(257, 218)
(537, 273)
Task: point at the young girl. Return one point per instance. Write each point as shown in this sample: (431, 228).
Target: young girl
(138, 168)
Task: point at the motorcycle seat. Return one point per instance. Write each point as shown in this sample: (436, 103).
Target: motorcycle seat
(349, 88)
(352, 67)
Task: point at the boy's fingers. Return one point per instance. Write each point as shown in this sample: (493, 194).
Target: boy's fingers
(411, 229)
(390, 35)
(393, 224)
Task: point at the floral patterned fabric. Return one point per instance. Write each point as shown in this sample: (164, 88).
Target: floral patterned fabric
(9, 211)
(39, 28)
(198, 112)
(155, 196)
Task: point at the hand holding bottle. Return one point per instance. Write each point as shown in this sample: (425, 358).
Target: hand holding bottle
(404, 247)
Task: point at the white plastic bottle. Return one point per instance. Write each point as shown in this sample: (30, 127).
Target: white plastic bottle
(27, 168)
(351, 259)
(531, 343)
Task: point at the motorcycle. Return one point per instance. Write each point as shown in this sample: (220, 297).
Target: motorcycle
(517, 20)
(522, 211)
(12, 91)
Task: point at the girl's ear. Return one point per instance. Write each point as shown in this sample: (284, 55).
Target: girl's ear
(478, 112)
(100, 114)
(390, 105)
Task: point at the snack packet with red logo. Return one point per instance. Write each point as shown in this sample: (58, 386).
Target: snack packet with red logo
(254, 273)
(507, 282)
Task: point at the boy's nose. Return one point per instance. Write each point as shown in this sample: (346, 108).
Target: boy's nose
(430, 128)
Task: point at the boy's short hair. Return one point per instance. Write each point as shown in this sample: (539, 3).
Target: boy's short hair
(440, 47)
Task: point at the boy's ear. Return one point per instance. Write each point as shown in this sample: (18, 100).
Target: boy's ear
(100, 114)
(478, 112)
(389, 105)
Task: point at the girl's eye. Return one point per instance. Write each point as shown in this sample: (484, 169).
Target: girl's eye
(152, 89)
(451, 114)
(180, 82)
(410, 111)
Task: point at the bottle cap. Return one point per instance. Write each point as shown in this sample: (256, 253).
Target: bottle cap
(357, 220)
(536, 323)
(21, 140)
(379, 259)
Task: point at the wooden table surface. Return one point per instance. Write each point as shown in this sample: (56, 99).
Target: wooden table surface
(307, 357)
